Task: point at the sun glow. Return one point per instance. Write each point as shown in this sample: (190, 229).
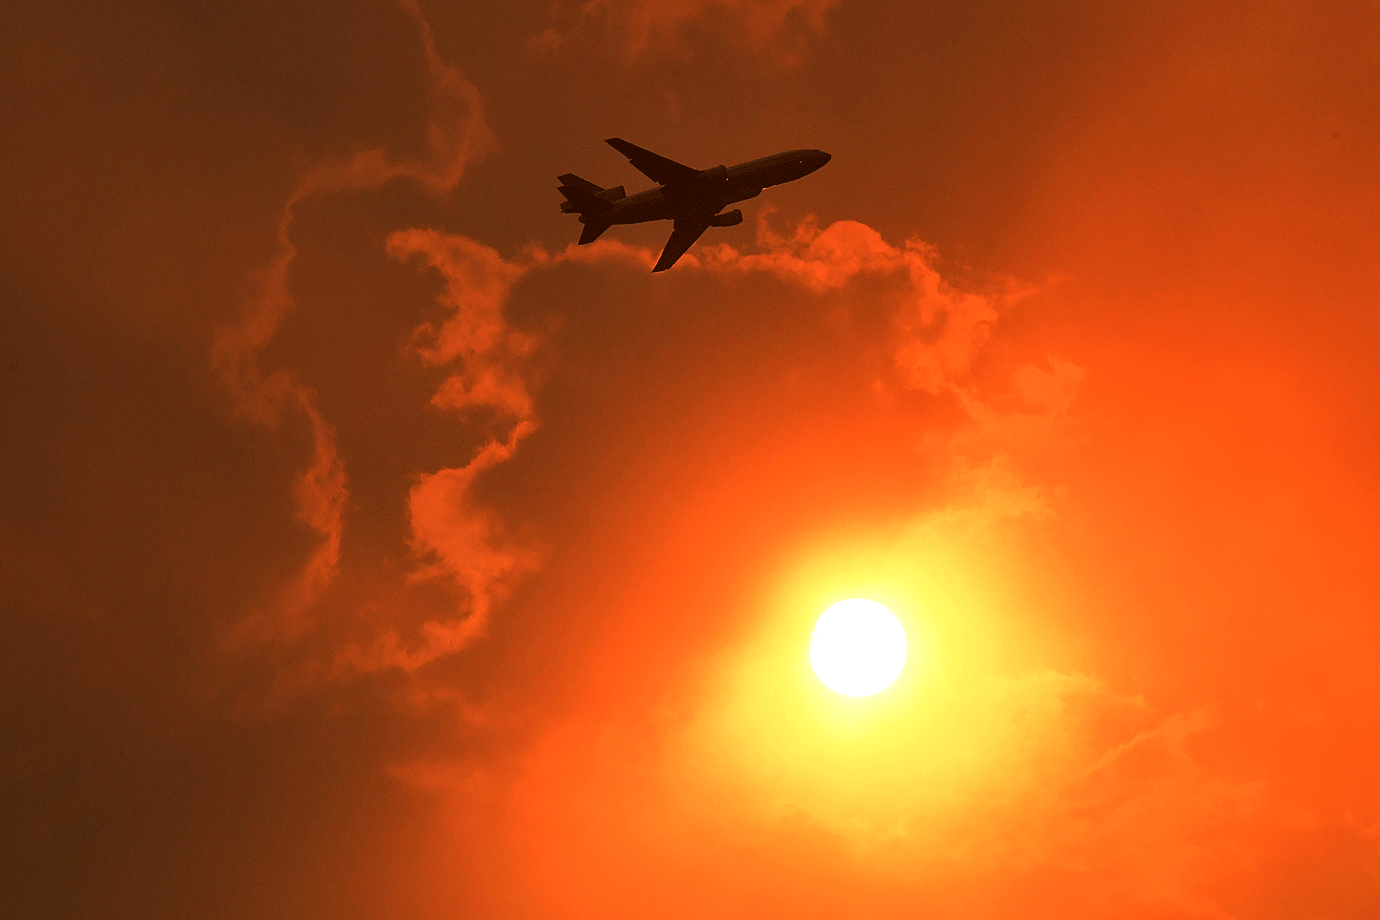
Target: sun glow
(858, 647)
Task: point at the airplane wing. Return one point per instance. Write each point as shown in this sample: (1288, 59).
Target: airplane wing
(654, 166)
(682, 238)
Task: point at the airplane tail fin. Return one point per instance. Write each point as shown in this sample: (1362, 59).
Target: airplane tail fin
(584, 197)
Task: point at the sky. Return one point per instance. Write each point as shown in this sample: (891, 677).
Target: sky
(368, 550)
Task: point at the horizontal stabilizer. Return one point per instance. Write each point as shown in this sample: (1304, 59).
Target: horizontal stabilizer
(579, 200)
(584, 196)
(573, 181)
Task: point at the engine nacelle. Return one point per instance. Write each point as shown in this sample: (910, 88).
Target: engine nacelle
(728, 219)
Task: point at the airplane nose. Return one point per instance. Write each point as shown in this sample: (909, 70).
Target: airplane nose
(805, 162)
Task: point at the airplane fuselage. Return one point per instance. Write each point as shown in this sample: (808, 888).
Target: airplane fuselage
(713, 190)
(690, 197)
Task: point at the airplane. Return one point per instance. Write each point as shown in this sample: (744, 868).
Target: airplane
(690, 197)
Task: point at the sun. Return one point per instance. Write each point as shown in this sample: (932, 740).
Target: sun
(858, 647)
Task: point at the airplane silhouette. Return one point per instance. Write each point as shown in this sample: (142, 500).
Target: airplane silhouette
(691, 197)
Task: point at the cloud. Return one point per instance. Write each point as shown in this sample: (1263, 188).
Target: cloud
(991, 785)
(456, 134)
(458, 541)
(478, 281)
(938, 335)
(939, 329)
(641, 24)
(982, 787)
(985, 771)
(455, 538)
(935, 335)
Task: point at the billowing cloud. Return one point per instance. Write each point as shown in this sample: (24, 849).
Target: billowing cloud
(932, 335)
(936, 332)
(939, 329)
(974, 786)
(962, 774)
(460, 541)
(474, 335)
(455, 134)
(453, 537)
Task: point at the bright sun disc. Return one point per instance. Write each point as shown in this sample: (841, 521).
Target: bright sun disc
(858, 647)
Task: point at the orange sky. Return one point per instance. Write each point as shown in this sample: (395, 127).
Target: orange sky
(369, 551)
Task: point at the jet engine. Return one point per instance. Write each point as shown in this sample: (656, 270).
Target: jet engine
(727, 219)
